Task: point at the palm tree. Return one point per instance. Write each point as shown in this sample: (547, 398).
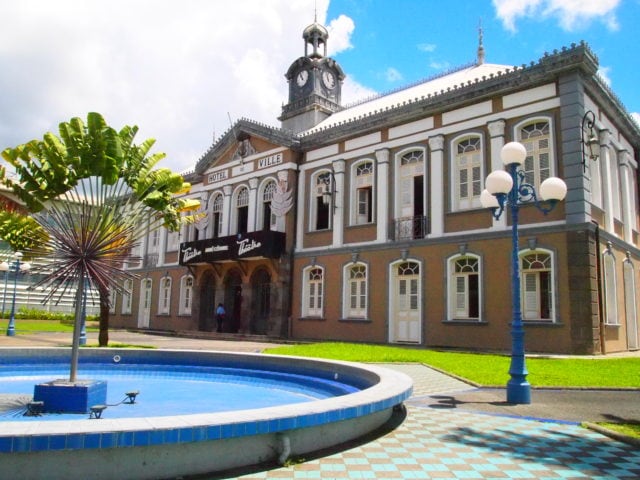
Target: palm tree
(95, 194)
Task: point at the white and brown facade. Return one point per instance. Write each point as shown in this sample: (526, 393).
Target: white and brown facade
(384, 239)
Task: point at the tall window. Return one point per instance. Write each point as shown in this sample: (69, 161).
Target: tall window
(164, 299)
(538, 164)
(355, 295)
(173, 241)
(630, 307)
(610, 288)
(218, 203)
(112, 300)
(186, 295)
(362, 198)
(127, 292)
(323, 201)
(313, 292)
(468, 173)
(537, 285)
(464, 288)
(268, 218)
(411, 220)
(242, 210)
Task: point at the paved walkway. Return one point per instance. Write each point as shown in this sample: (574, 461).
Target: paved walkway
(451, 430)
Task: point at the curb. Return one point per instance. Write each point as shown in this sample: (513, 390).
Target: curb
(612, 434)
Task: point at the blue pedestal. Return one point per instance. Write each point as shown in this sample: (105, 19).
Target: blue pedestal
(62, 396)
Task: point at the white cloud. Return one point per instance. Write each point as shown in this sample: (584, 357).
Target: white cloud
(427, 47)
(636, 117)
(571, 14)
(392, 75)
(352, 91)
(176, 69)
(340, 31)
(440, 66)
(603, 73)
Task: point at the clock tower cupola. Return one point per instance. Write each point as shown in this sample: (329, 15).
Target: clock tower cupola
(315, 83)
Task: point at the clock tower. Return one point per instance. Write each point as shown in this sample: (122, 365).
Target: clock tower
(315, 82)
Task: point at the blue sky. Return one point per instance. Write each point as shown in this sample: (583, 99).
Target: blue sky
(398, 42)
(183, 70)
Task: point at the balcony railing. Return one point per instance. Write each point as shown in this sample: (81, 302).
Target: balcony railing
(411, 228)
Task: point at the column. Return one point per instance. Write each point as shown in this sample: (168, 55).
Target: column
(496, 131)
(338, 207)
(437, 202)
(303, 211)
(253, 205)
(626, 189)
(226, 210)
(608, 188)
(382, 194)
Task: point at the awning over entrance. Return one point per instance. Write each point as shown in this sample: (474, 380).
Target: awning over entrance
(263, 244)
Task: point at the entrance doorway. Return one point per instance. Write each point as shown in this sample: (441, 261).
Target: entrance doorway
(405, 311)
(232, 302)
(260, 302)
(206, 321)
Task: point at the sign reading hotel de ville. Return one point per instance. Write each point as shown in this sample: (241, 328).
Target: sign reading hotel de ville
(265, 244)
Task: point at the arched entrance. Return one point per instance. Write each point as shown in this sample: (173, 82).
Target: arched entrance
(206, 321)
(260, 302)
(232, 301)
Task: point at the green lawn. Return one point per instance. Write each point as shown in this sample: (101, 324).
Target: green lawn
(486, 369)
(34, 326)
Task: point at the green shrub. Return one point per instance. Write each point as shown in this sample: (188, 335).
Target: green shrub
(25, 313)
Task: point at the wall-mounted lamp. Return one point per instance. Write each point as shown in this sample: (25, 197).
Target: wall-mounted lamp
(589, 139)
(328, 180)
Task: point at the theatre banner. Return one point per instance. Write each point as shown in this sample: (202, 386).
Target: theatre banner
(262, 244)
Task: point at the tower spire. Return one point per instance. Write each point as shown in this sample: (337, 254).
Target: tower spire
(480, 46)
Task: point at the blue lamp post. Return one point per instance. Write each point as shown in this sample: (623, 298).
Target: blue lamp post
(509, 189)
(11, 328)
(4, 267)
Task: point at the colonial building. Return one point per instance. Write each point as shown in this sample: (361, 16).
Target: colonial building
(364, 222)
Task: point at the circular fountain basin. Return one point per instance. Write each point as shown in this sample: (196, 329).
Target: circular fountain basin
(166, 446)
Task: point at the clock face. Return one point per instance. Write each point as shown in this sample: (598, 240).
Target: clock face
(328, 79)
(302, 78)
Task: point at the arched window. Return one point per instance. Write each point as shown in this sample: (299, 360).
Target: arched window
(467, 172)
(322, 198)
(313, 296)
(127, 292)
(411, 207)
(242, 210)
(537, 139)
(537, 285)
(355, 291)
(630, 305)
(216, 211)
(164, 298)
(268, 219)
(186, 295)
(610, 287)
(464, 287)
(362, 193)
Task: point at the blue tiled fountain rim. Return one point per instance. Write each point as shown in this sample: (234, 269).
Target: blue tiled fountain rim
(279, 419)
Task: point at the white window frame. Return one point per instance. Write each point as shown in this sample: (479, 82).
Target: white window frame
(217, 214)
(317, 189)
(127, 296)
(355, 289)
(313, 291)
(239, 200)
(531, 277)
(363, 185)
(113, 297)
(409, 171)
(164, 296)
(534, 150)
(455, 295)
(265, 194)
(470, 201)
(610, 287)
(630, 302)
(173, 240)
(186, 294)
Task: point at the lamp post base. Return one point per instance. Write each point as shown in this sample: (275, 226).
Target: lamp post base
(11, 331)
(518, 393)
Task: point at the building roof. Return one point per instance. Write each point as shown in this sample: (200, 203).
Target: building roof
(464, 76)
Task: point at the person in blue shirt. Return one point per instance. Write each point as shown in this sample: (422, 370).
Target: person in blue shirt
(220, 313)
